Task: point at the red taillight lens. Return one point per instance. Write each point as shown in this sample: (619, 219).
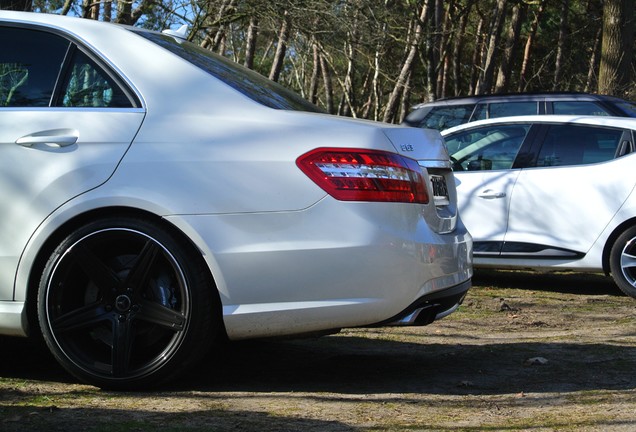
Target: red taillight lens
(365, 175)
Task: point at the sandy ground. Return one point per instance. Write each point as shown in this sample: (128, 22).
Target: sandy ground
(526, 351)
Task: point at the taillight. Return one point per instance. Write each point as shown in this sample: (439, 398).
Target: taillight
(365, 175)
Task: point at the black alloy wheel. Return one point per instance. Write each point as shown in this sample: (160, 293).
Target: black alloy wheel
(623, 261)
(125, 305)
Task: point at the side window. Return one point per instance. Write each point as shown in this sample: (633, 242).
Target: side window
(29, 69)
(505, 109)
(578, 145)
(445, 117)
(487, 148)
(87, 85)
(578, 108)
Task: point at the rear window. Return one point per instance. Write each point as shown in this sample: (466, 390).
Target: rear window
(246, 81)
(578, 108)
(628, 107)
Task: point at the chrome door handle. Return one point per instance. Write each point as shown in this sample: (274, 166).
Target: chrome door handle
(491, 194)
(56, 137)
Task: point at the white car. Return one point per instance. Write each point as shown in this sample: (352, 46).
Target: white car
(156, 197)
(549, 192)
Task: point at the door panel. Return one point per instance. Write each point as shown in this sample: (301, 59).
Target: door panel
(65, 123)
(37, 176)
(483, 158)
(484, 202)
(574, 191)
(568, 207)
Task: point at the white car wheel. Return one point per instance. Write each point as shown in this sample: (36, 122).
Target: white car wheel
(623, 262)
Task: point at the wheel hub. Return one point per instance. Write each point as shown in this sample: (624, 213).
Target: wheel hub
(123, 303)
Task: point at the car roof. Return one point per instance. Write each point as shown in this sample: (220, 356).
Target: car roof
(620, 122)
(130, 55)
(68, 24)
(507, 97)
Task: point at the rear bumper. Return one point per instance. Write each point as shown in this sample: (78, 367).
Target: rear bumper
(430, 307)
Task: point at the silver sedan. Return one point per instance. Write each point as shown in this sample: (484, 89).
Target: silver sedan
(156, 197)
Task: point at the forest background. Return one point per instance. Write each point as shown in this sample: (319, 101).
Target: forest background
(374, 59)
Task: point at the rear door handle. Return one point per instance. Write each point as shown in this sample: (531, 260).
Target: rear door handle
(491, 194)
(56, 137)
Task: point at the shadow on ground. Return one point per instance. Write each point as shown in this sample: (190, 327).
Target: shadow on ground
(360, 365)
(558, 282)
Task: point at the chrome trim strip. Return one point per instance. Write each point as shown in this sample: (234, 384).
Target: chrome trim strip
(446, 164)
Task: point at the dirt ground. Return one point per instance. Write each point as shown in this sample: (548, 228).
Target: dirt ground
(526, 351)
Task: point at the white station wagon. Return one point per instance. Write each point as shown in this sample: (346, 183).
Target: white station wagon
(155, 197)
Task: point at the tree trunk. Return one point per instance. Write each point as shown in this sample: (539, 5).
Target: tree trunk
(405, 103)
(591, 80)
(250, 43)
(90, 9)
(512, 42)
(526, 53)
(326, 77)
(67, 7)
(457, 50)
(281, 49)
(558, 63)
(345, 107)
(617, 47)
(107, 15)
(436, 36)
(392, 103)
(124, 12)
(477, 55)
(377, 92)
(444, 56)
(494, 33)
(315, 71)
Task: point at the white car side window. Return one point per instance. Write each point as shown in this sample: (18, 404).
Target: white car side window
(578, 145)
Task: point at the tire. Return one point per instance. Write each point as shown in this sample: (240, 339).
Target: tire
(125, 305)
(623, 261)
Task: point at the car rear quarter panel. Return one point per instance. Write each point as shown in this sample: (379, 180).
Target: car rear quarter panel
(198, 163)
(332, 265)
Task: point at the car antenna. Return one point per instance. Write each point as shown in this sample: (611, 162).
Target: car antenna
(180, 33)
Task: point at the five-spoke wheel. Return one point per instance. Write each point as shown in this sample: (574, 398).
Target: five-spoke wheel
(124, 304)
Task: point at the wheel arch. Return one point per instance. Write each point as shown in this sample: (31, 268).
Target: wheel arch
(53, 240)
(607, 249)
